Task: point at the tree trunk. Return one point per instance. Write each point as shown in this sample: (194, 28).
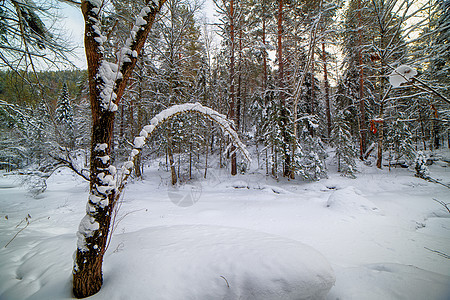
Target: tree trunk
(327, 91)
(283, 113)
(264, 55)
(381, 129)
(140, 117)
(206, 158)
(220, 154)
(313, 92)
(173, 172)
(362, 110)
(380, 146)
(448, 138)
(87, 276)
(93, 231)
(231, 112)
(422, 128)
(137, 166)
(432, 135)
(239, 87)
(267, 162)
(274, 162)
(190, 161)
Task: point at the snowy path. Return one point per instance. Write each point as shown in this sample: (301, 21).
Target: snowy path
(377, 232)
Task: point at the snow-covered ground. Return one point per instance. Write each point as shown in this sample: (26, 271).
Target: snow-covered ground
(246, 237)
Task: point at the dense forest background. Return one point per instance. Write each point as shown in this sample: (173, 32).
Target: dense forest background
(301, 80)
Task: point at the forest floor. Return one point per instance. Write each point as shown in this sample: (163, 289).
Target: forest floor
(226, 237)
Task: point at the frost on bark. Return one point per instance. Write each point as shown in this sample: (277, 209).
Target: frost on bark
(107, 82)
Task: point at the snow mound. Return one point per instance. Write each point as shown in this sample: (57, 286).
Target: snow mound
(350, 200)
(390, 281)
(242, 184)
(211, 262)
(275, 189)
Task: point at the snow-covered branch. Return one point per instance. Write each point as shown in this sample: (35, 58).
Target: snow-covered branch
(112, 77)
(69, 159)
(167, 114)
(406, 74)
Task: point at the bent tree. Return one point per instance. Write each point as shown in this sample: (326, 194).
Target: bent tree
(107, 82)
(225, 124)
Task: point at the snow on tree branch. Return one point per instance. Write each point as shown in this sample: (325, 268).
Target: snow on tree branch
(111, 73)
(401, 74)
(405, 73)
(111, 76)
(70, 160)
(167, 114)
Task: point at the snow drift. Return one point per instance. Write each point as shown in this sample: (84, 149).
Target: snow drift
(351, 201)
(213, 262)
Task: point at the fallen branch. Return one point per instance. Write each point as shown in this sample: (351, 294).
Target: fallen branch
(225, 281)
(66, 159)
(439, 253)
(431, 179)
(443, 204)
(28, 223)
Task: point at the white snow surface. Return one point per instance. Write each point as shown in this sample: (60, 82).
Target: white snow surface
(243, 237)
(350, 201)
(216, 262)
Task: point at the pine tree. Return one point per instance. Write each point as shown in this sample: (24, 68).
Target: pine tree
(441, 64)
(272, 133)
(399, 140)
(64, 118)
(341, 139)
(421, 166)
(311, 154)
(24, 38)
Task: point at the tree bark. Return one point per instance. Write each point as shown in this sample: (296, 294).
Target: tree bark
(312, 91)
(380, 146)
(265, 53)
(239, 87)
(287, 172)
(380, 131)
(94, 228)
(173, 172)
(231, 111)
(327, 90)
(362, 110)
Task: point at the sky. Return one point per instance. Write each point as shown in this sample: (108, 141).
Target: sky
(73, 26)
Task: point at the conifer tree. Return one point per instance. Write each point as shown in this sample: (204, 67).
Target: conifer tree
(341, 139)
(420, 165)
(64, 117)
(399, 140)
(441, 64)
(310, 155)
